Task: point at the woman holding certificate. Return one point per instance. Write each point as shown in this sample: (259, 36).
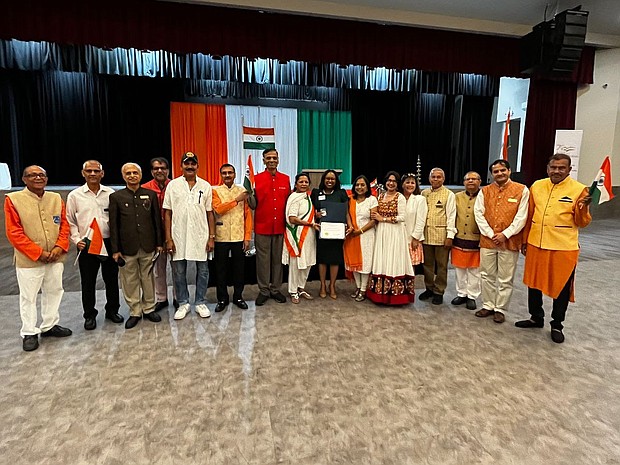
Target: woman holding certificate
(330, 202)
(391, 281)
(360, 242)
(299, 251)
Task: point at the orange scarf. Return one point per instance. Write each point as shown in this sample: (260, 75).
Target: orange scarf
(352, 245)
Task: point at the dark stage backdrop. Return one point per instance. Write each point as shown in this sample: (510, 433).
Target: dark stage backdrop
(447, 131)
(58, 120)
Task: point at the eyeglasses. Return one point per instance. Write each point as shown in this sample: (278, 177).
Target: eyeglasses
(160, 168)
(35, 175)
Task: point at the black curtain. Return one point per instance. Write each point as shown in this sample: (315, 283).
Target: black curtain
(58, 120)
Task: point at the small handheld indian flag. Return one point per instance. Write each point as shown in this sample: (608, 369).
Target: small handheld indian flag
(506, 141)
(259, 138)
(94, 240)
(600, 190)
(248, 181)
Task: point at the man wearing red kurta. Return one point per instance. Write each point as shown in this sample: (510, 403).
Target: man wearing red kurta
(558, 207)
(37, 227)
(271, 191)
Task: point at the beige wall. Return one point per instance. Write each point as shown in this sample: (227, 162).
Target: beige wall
(598, 115)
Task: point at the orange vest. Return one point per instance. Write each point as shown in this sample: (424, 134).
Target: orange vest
(500, 208)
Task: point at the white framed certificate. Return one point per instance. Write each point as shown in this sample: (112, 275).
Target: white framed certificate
(332, 230)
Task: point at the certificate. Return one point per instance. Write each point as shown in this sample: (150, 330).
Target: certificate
(332, 230)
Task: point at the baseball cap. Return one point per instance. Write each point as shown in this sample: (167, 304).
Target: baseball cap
(189, 156)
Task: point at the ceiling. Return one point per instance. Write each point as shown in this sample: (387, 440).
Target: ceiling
(496, 17)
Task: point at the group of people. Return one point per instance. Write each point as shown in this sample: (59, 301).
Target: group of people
(379, 239)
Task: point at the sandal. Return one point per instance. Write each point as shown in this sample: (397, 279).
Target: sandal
(361, 296)
(303, 293)
(355, 294)
(295, 298)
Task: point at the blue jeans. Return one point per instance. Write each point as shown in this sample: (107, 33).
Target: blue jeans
(180, 281)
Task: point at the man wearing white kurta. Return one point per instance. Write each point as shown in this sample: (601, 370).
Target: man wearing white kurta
(190, 233)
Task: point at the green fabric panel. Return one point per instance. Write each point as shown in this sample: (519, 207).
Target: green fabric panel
(324, 141)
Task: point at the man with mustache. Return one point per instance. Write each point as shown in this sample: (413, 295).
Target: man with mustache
(190, 233)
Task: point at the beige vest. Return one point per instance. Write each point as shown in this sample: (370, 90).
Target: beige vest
(40, 217)
(466, 226)
(435, 232)
(230, 226)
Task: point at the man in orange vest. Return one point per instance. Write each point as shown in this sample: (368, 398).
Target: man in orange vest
(558, 207)
(500, 211)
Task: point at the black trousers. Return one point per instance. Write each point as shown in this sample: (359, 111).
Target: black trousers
(223, 263)
(89, 268)
(560, 304)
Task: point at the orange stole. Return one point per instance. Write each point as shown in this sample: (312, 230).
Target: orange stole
(352, 245)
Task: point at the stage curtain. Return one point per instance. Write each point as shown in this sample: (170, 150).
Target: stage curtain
(199, 128)
(551, 105)
(324, 141)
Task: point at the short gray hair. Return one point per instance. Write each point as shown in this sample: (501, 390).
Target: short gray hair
(130, 164)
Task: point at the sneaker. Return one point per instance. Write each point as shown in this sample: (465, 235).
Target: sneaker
(361, 296)
(181, 312)
(203, 310)
(30, 342)
(355, 294)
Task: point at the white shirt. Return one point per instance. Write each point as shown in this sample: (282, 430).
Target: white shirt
(415, 216)
(190, 227)
(518, 221)
(83, 205)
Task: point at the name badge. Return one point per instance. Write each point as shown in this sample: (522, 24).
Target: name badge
(56, 219)
(511, 200)
(321, 197)
(144, 196)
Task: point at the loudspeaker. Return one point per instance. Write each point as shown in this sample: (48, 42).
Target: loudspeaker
(564, 41)
(554, 47)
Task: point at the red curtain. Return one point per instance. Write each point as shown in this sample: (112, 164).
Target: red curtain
(551, 105)
(199, 128)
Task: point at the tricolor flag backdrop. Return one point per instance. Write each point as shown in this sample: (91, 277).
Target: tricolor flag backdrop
(600, 190)
(215, 133)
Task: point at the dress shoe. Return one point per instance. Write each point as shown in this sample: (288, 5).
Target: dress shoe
(241, 304)
(220, 307)
(470, 304)
(557, 336)
(161, 305)
(529, 324)
(484, 312)
(90, 324)
(459, 300)
(261, 299)
(278, 297)
(437, 299)
(175, 303)
(30, 342)
(427, 294)
(115, 318)
(57, 331)
(181, 312)
(152, 316)
(132, 321)
(498, 317)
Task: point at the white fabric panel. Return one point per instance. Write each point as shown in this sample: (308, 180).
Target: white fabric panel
(284, 120)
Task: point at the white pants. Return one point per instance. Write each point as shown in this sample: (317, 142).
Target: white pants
(296, 278)
(361, 280)
(48, 279)
(467, 282)
(497, 270)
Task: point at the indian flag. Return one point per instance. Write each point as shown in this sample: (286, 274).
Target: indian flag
(94, 240)
(600, 190)
(248, 181)
(259, 138)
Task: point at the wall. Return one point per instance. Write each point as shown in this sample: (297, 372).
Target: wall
(598, 115)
